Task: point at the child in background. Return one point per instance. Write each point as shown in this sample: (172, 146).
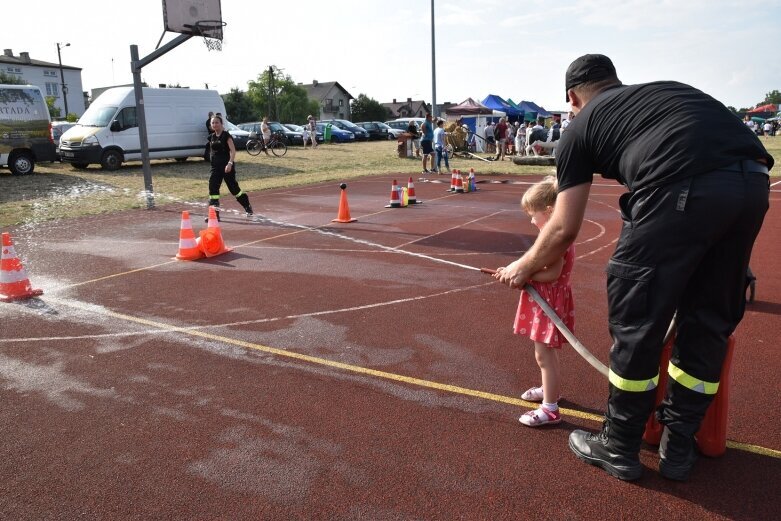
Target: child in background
(553, 284)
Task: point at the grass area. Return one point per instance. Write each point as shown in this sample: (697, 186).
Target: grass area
(57, 191)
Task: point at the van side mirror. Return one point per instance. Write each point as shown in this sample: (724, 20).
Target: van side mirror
(115, 126)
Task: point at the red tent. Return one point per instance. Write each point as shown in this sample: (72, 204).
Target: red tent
(770, 107)
(468, 107)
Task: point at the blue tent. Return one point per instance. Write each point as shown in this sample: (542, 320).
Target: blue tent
(495, 102)
(541, 112)
(529, 110)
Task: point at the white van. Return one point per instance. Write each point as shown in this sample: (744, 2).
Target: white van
(25, 129)
(107, 133)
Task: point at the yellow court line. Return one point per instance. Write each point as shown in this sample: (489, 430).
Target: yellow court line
(763, 451)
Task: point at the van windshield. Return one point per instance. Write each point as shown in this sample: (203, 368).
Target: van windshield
(96, 116)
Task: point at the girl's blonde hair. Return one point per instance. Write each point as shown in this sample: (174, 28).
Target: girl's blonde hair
(541, 195)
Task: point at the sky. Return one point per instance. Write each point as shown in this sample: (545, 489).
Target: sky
(383, 49)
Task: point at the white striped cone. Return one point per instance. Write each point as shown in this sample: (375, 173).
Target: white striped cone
(14, 283)
(188, 247)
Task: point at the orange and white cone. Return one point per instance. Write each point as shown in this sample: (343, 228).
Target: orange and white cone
(411, 197)
(459, 184)
(210, 241)
(343, 216)
(453, 181)
(188, 246)
(395, 200)
(14, 284)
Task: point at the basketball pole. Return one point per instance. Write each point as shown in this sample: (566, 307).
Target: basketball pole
(136, 65)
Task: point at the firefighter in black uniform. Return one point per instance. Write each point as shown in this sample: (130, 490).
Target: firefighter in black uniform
(223, 153)
(698, 189)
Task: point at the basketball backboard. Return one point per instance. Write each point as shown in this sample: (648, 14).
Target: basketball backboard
(180, 16)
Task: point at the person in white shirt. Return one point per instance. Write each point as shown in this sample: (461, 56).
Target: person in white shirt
(439, 147)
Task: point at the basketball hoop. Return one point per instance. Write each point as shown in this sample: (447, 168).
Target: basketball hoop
(211, 32)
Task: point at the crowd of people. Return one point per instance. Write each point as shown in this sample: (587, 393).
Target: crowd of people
(531, 138)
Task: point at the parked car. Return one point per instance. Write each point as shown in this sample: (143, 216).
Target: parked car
(240, 136)
(291, 137)
(58, 129)
(299, 128)
(337, 134)
(393, 133)
(376, 129)
(360, 133)
(403, 123)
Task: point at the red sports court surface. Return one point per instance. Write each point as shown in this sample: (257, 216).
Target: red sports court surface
(336, 371)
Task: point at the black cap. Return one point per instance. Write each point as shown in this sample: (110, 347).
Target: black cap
(589, 67)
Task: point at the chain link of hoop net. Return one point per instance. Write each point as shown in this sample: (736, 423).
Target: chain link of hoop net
(206, 29)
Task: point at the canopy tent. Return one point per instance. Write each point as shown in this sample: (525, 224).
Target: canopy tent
(529, 110)
(541, 112)
(468, 107)
(770, 107)
(475, 116)
(492, 101)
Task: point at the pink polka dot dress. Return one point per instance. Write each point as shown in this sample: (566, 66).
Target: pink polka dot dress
(531, 320)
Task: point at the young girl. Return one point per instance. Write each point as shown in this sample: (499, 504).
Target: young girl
(553, 284)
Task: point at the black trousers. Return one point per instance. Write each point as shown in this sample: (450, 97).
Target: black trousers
(217, 177)
(683, 247)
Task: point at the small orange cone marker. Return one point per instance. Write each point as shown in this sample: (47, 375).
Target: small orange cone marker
(210, 241)
(395, 200)
(459, 184)
(411, 197)
(344, 209)
(14, 284)
(188, 246)
(712, 437)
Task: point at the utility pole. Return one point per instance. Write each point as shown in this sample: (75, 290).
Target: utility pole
(434, 111)
(62, 77)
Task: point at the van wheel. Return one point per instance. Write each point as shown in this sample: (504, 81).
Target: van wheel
(21, 163)
(79, 166)
(111, 160)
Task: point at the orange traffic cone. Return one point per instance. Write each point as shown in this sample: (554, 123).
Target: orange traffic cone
(453, 181)
(411, 197)
(188, 246)
(712, 436)
(395, 200)
(14, 284)
(459, 184)
(210, 241)
(344, 209)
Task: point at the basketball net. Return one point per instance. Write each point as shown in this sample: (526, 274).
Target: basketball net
(211, 32)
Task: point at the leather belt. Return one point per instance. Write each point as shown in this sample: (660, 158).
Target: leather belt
(746, 165)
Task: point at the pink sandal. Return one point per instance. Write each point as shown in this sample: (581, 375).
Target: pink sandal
(534, 395)
(540, 416)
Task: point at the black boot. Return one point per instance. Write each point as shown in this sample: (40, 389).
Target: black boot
(243, 200)
(617, 455)
(677, 454)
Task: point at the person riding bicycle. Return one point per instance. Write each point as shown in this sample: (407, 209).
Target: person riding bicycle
(265, 131)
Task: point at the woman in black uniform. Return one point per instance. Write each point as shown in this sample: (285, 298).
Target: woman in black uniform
(223, 152)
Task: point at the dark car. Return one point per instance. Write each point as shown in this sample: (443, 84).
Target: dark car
(337, 135)
(360, 133)
(291, 137)
(299, 128)
(376, 129)
(239, 135)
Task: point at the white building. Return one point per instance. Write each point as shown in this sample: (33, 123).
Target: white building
(49, 77)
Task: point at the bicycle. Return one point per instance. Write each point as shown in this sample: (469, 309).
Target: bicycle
(256, 145)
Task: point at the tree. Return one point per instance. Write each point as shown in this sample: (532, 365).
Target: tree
(364, 108)
(772, 97)
(275, 95)
(10, 79)
(54, 112)
(239, 107)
